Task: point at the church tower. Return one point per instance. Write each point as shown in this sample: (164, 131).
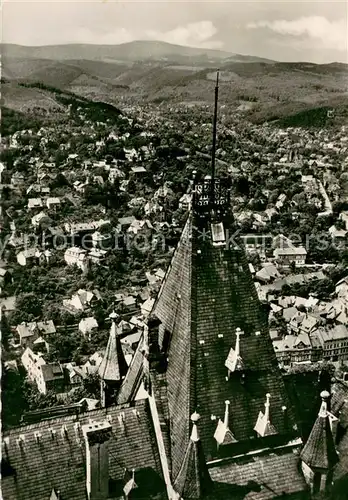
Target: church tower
(212, 334)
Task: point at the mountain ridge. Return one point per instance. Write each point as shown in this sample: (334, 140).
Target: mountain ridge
(138, 50)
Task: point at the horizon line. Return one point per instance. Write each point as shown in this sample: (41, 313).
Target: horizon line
(203, 49)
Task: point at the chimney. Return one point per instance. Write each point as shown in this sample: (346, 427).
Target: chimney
(97, 436)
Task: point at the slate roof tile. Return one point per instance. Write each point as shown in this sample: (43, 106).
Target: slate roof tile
(58, 462)
(261, 477)
(208, 292)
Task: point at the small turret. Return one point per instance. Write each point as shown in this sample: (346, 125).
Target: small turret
(193, 481)
(319, 454)
(113, 367)
(234, 361)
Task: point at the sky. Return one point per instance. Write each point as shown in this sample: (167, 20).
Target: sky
(282, 30)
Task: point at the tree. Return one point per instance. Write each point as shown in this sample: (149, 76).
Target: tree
(292, 266)
(28, 308)
(36, 400)
(6, 333)
(13, 399)
(62, 345)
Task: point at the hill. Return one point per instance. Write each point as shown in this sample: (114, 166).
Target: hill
(262, 90)
(41, 104)
(132, 51)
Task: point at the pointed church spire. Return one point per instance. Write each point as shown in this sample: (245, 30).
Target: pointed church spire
(263, 425)
(319, 451)
(193, 481)
(113, 366)
(223, 434)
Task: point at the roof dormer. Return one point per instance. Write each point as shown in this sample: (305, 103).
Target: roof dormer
(263, 425)
(234, 360)
(223, 434)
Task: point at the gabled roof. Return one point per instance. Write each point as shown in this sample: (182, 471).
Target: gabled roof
(52, 371)
(223, 434)
(113, 368)
(46, 327)
(319, 451)
(27, 329)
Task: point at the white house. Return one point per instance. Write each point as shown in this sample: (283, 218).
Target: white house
(30, 256)
(35, 203)
(185, 201)
(146, 307)
(87, 325)
(76, 256)
(97, 256)
(53, 202)
(41, 219)
(28, 333)
(32, 363)
(285, 256)
(79, 301)
(337, 234)
(47, 376)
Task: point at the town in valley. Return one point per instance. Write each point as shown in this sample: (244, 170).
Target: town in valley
(173, 278)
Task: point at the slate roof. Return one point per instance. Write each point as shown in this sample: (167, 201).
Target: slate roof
(58, 460)
(208, 292)
(52, 371)
(260, 477)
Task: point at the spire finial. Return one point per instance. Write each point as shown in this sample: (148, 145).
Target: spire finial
(226, 419)
(113, 316)
(267, 405)
(238, 334)
(194, 433)
(323, 408)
